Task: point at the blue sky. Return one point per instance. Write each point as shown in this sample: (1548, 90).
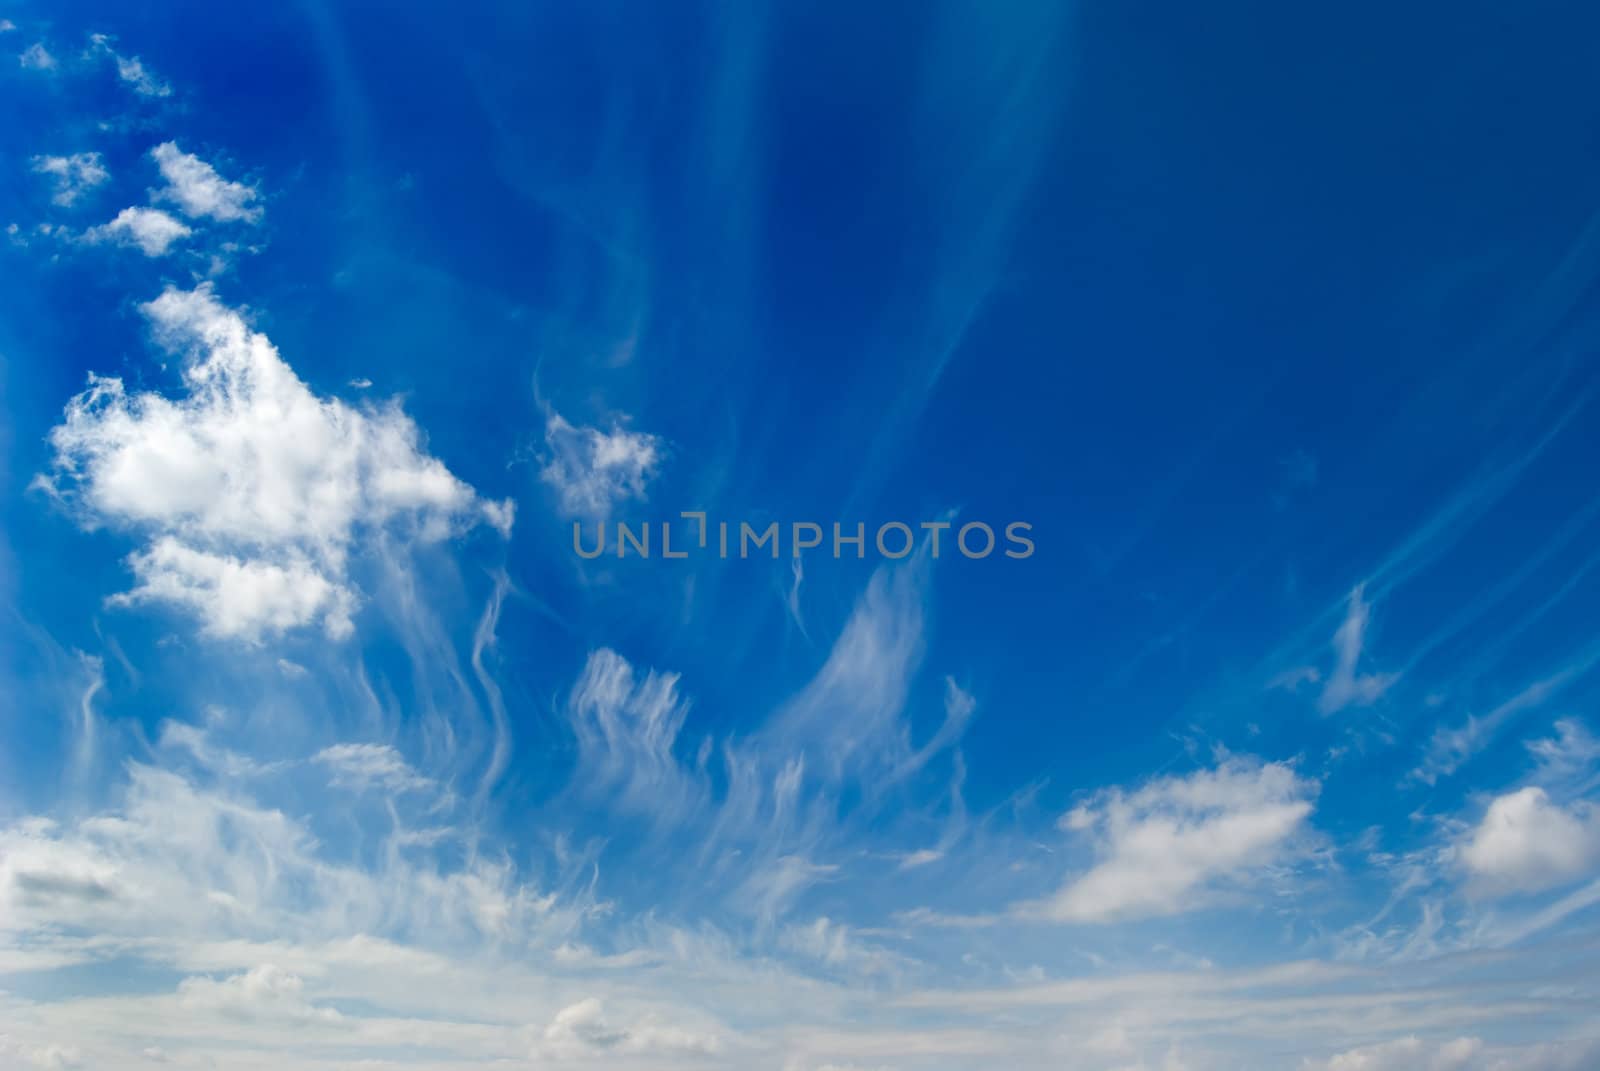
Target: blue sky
(322, 328)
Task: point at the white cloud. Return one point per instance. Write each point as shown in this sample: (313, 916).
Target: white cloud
(361, 766)
(1528, 843)
(37, 58)
(130, 69)
(1451, 748)
(250, 489)
(266, 991)
(51, 1057)
(151, 229)
(144, 83)
(850, 714)
(198, 191)
(592, 470)
(293, 670)
(627, 728)
(1568, 756)
(582, 1029)
(1345, 686)
(920, 857)
(1165, 845)
(6, 26)
(401, 954)
(74, 175)
(239, 596)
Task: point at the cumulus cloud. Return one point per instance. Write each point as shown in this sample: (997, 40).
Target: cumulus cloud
(198, 191)
(1165, 845)
(239, 596)
(582, 1029)
(151, 229)
(74, 175)
(1526, 842)
(250, 489)
(593, 470)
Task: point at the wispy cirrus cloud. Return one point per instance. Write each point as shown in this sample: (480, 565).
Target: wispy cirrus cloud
(1344, 684)
(130, 69)
(627, 727)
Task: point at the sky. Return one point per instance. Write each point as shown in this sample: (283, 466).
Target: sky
(335, 340)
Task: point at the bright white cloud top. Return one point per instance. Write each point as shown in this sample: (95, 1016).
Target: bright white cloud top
(151, 230)
(1169, 844)
(199, 192)
(252, 490)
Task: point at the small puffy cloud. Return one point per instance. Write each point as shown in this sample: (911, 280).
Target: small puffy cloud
(198, 191)
(582, 1029)
(592, 470)
(74, 175)
(1526, 842)
(583, 1024)
(151, 229)
(37, 58)
(6, 26)
(250, 489)
(1166, 844)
